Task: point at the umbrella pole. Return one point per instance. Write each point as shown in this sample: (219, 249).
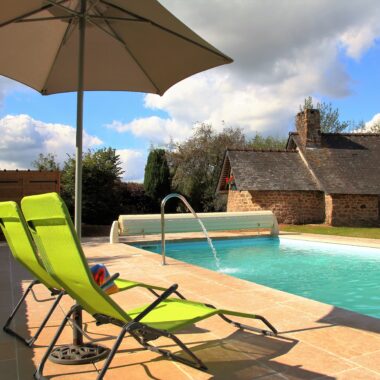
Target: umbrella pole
(77, 316)
(78, 352)
(79, 130)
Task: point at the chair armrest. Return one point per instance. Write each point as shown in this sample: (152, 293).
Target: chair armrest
(156, 302)
(112, 278)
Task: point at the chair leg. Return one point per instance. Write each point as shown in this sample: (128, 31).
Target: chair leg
(31, 341)
(179, 295)
(38, 374)
(271, 332)
(195, 362)
(221, 314)
(6, 327)
(198, 363)
(112, 353)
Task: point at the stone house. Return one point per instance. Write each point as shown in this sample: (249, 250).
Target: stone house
(319, 178)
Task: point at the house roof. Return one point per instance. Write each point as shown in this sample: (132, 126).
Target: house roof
(269, 170)
(345, 163)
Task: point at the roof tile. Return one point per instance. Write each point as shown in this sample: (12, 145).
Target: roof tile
(270, 170)
(346, 163)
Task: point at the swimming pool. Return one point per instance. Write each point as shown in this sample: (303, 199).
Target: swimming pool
(340, 275)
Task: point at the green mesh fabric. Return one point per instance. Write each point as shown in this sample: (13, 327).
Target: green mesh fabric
(62, 254)
(174, 314)
(125, 284)
(21, 243)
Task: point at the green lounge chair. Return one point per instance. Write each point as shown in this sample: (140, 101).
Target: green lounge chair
(23, 249)
(61, 251)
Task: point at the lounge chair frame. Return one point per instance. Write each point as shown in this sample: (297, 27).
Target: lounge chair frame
(143, 333)
(29, 342)
(48, 282)
(59, 294)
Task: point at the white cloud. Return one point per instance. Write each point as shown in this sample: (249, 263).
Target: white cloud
(283, 52)
(9, 165)
(358, 40)
(23, 138)
(133, 164)
(153, 129)
(258, 34)
(375, 121)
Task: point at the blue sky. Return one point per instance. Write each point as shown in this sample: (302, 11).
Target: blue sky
(283, 52)
(364, 100)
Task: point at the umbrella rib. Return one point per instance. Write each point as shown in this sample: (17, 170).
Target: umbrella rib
(112, 18)
(59, 5)
(68, 31)
(45, 19)
(116, 36)
(63, 41)
(31, 13)
(166, 30)
(92, 5)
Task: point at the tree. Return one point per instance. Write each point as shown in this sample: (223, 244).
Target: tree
(330, 122)
(270, 142)
(196, 163)
(157, 176)
(46, 162)
(134, 200)
(101, 185)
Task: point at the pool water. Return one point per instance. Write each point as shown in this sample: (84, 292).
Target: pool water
(340, 275)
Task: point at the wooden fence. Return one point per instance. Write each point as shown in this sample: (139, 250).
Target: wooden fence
(15, 184)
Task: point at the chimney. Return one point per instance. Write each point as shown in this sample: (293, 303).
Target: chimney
(309, 128)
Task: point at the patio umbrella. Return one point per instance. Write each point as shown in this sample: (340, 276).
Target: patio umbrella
(57, 46)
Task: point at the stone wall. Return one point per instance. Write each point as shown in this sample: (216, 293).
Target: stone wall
(352, 210)
(291, 207)
(302, 207)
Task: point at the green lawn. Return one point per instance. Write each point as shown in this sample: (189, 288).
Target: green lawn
(371, 233)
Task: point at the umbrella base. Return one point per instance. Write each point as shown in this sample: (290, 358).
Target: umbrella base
(75, 355)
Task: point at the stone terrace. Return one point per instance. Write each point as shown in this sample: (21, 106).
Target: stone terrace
(316, 341)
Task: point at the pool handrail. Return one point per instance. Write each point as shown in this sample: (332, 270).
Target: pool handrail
(187, 204)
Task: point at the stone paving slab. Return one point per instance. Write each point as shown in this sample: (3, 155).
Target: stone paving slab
(316, 341)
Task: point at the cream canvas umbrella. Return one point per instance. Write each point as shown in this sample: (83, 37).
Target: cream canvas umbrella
(57, 46)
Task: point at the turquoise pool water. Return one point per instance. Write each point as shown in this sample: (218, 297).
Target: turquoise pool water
(340, 275)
